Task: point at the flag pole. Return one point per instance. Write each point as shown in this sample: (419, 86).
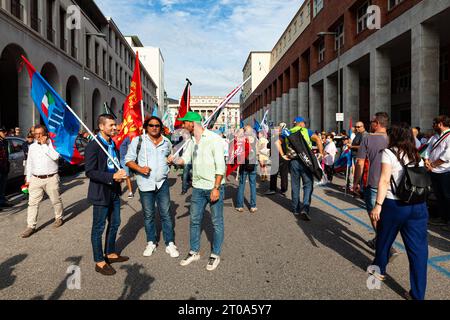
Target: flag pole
(144, 133)
(95, 138)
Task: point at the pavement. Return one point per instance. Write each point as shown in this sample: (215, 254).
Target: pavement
(269, 255)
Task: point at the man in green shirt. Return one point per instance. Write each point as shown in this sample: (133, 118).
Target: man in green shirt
(205, 151)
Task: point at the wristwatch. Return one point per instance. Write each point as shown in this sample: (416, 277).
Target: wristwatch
(217, 187)
(378, 204)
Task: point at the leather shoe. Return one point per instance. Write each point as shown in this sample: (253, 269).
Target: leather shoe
(28, 232)
(106, 270)
(120, 259)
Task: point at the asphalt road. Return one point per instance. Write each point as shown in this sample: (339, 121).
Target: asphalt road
(267, 255)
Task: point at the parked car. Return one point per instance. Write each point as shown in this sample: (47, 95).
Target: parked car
(16, 157)
(66, 167)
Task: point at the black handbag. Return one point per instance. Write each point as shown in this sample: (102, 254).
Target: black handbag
(415, 185)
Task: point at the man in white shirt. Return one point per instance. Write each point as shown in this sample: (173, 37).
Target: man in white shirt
(42, 175)
(437, 161)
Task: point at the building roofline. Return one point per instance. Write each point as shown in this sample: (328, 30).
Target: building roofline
(250, 54)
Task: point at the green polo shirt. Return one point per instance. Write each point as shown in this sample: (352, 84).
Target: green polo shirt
(207, 159)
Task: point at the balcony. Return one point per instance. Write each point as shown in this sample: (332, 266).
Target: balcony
(36, 24)
(17, 10)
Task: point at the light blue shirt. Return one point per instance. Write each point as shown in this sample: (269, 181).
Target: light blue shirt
(157, 162)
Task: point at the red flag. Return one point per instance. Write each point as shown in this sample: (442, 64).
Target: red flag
(185, 105)
(238, 154)
(132, 117)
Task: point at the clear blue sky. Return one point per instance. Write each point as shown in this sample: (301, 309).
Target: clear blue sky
(207, 41)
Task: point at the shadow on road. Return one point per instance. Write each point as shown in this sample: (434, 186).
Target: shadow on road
(137, 283)
(7, 278)
(326, 230)
(59, 291)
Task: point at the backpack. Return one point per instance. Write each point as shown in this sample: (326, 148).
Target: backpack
(415, 185)
(138, 149)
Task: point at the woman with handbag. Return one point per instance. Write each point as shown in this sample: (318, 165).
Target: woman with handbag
(401, 207)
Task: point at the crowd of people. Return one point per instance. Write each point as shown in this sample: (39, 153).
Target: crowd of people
(376, 163)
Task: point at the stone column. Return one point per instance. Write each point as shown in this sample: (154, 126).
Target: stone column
(330, 101)
(273, 113)
(315, 110)
(351, 95)
(380, 82)
(303, 99)
(424, 76)
(293, 104)
(285, 108)
(279, 106)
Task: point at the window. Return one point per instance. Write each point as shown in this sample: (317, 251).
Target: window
(34, 13)
(394, 3)
(62, 29)
(88, 59)
(443, 67)
(301, 18)
(362, 17)
(339, 39)
(73, 46)
(321, 49)
(50, 31)
(401, 81)
(318, 5)
(17, 9)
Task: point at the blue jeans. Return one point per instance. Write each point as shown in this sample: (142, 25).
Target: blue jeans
(370, 197)
(199, 201)
(299, 171)
(411, 221)
(162, 198)
(3, 180)
(252, 180)
(186, 177)
(101, 214)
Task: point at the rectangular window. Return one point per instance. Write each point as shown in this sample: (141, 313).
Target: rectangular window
(34, 13)
(339, 39)
(110, 70)
(62, 29)
(73, 46)
(318, 5)
(321, 49)
(97, 67)
(17, 9)
(394, 3)
(88, 54)
(361, 17)
(50, 31)
(104, 64)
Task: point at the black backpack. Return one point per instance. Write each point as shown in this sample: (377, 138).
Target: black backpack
(415, 185)
(138, 149)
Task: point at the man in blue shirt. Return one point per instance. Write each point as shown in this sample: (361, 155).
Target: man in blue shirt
(147, 156)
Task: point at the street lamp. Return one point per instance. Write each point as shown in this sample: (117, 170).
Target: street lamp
(335, 34)
(83, 63)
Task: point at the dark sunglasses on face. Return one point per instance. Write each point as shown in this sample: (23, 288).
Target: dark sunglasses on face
(154, 126)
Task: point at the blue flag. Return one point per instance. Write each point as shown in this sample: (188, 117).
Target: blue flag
(62, 125)
(155, 111)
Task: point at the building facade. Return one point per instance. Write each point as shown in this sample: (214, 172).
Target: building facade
(257, 67)
(205, 106)
(79, 51)
(153, 61)
(401, 68)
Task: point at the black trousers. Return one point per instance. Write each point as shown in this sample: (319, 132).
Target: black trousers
(284, 173)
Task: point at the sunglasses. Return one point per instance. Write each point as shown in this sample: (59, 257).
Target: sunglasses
(357, 127)
(154, 126)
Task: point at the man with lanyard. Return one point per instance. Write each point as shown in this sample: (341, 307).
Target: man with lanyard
(300, 173)
(205, 152)
(147, 155)
(437, 161)
(104, 194)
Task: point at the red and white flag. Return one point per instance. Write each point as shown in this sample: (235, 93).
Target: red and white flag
(185, 105)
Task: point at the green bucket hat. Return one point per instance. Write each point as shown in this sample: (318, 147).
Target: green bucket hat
(192, 117)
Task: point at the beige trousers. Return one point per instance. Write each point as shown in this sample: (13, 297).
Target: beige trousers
(36, 191)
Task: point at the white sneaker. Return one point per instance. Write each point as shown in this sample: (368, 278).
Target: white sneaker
(213, 262)
(191, 257)
(172, 250)
(151, 247)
